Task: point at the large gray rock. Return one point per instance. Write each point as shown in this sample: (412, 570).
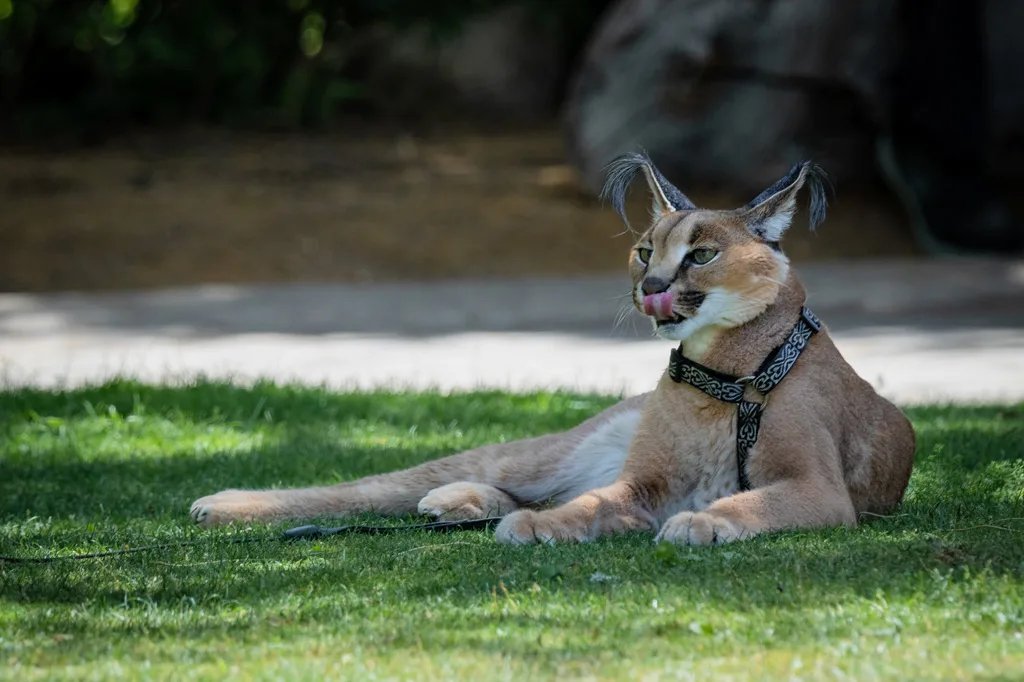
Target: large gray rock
(731, 92)
(504, 63)
(1004, 22)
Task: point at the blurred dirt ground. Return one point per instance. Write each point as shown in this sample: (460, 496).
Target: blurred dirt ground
(212, 207)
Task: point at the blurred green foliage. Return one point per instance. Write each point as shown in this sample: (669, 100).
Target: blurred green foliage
(93, 66)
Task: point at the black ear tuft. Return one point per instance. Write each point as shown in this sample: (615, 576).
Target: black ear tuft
(820, 187)
(623, 170)
(804, 173)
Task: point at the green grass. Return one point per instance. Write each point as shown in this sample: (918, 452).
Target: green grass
(933, 592)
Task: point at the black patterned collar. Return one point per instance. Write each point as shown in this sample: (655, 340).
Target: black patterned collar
(732, 389)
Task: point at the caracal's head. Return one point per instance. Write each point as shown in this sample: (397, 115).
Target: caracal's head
(696, 270)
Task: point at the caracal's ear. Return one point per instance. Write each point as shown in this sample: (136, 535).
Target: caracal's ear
(771, 211)
(620, 173)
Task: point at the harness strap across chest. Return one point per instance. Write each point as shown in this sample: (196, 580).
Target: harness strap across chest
(731, 389)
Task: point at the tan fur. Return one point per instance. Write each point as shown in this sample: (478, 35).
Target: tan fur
(464, 500)
(829, 447)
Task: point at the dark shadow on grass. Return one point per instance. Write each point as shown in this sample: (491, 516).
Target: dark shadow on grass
(165, 486)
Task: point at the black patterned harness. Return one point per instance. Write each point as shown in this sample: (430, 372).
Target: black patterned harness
(731, 389)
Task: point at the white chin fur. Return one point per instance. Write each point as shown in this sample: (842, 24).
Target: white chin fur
(720, 309)
(673, 332)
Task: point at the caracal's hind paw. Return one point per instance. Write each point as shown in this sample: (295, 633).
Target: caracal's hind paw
(464, 500)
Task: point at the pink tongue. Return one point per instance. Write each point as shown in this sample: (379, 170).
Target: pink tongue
(659, 305)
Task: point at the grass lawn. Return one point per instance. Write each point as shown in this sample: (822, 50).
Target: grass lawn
(934, 592)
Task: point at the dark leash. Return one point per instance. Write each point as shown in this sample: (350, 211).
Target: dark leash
(732, 389)
(298, 533)
(314, 532)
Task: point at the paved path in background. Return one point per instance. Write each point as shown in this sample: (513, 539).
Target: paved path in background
(920, 331)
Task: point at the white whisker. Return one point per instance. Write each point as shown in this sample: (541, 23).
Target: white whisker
(622, 314)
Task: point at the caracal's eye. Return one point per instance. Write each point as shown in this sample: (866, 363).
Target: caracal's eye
(644, 255)
(703, 256)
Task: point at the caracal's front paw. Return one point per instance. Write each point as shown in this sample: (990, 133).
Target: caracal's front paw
(525, 527)
(228, 506)
(464, 500)
(698, 528)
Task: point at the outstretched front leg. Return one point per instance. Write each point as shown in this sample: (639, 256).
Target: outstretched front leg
(612, 509)
(791, 504)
